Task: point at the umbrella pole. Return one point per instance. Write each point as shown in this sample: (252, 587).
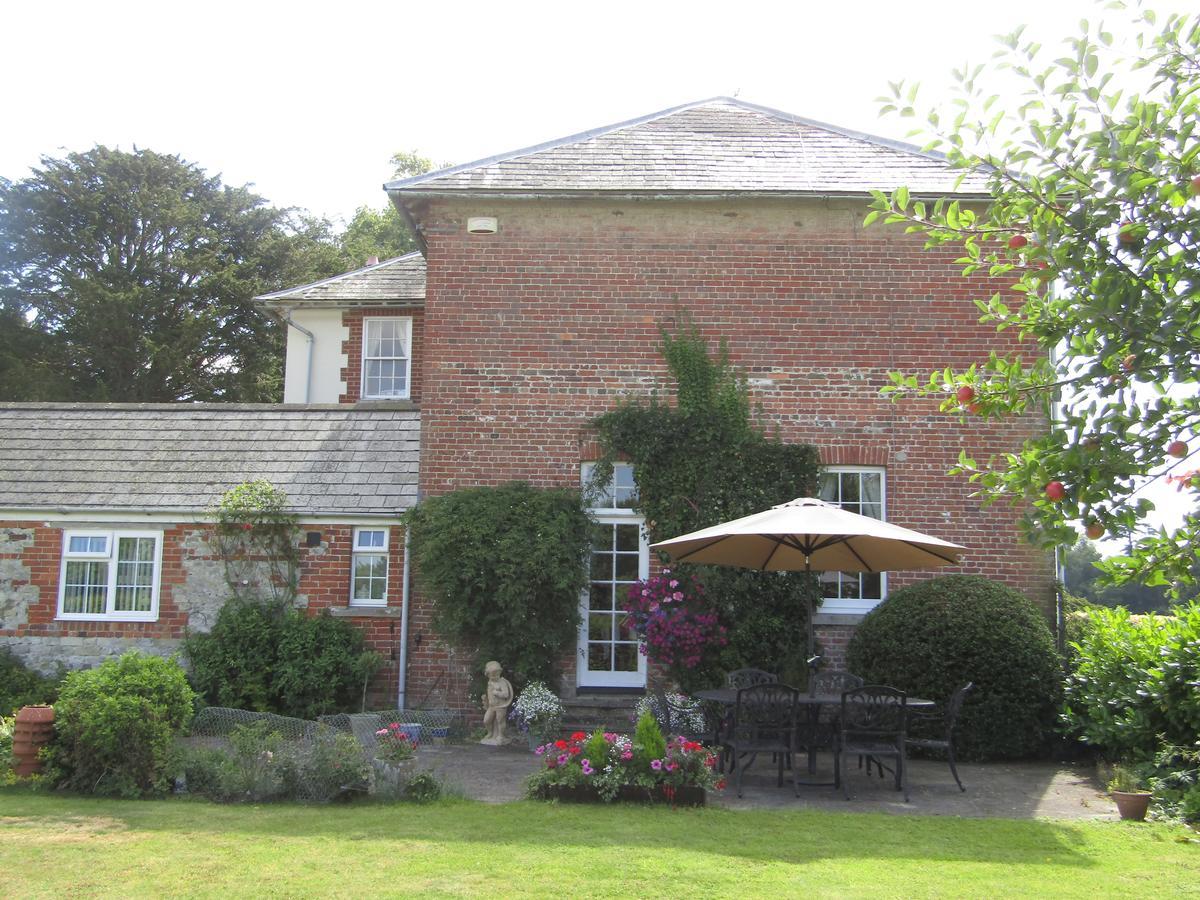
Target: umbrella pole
(812, 660)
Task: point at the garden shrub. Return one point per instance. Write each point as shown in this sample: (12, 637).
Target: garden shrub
(268, 657)
(699, 459)
(931, 638)
(115, 726)
(504, 567)
(21, 686)
(648, 737)
(1132, 687)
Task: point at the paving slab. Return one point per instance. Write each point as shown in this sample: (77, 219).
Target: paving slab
(1014, 790)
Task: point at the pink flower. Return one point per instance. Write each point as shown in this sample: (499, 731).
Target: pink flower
(656, 764)
(627, 755)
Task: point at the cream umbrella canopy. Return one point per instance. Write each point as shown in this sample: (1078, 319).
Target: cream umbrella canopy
(810, 535)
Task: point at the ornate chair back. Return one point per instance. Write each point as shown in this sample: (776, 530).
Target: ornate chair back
(875, 713)
(744, 678)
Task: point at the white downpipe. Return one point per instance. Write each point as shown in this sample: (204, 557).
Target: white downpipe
(311, 339)
(402, 679)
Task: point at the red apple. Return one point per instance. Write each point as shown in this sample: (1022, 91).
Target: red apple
(1127, 235)
(974, 408)
(1095, 530)
(1177, 449)
(1056, 490)
(965, 394)
(1129, 362)
(1017, 241)
(1196, 185)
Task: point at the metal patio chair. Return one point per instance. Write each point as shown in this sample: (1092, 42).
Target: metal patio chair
(872, 724)
(941, 724)
(764, 721)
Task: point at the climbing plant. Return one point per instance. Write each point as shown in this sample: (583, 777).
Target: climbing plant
(504, 567)
(700, 457)
(259, 541)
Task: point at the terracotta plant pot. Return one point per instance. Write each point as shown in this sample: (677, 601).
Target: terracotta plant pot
(1132, 805)
(32, 730)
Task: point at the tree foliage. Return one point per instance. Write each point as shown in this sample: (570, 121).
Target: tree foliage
(504, 567)
(129, 277)
(383, 233)
(1083, 578)
(1094, 176)
(701, 460)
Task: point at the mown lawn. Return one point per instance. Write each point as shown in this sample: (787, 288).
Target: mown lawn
(72, 846)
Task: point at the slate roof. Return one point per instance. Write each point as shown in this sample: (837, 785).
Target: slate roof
(401, 278)
(183, 457)
(715, 146)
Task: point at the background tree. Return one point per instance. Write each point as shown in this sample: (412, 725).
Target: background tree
(382, 232)
(1094, 177)
(129, 277)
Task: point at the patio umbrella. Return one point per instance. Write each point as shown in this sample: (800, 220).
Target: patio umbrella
(810, 535)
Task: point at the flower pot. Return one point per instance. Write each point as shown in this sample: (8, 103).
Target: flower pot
(1132, 805)
(388, 778)
(32, 730)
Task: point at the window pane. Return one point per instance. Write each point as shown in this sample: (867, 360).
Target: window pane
(86, 586)
(370, 577)
(601, 536)
(367, 539)
(600, 657)
(849, 484)
(600, 597)
(88, 543)
(626, 658)
(600, 627)
(872, 487)
(829, 488)
(627, 566)
(602, 566)
(628, 538)
(872, 586)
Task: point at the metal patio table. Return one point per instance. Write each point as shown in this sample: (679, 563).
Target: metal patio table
(727, 697)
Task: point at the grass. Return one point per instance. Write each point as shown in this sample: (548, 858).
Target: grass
(52, 845)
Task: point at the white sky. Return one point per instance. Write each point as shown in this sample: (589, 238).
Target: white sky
(308, 101)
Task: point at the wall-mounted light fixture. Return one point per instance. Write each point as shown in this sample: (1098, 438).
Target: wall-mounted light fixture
(482, 225)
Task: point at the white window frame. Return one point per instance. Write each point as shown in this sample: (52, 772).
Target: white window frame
(611, 515)
(114, 543)
(407, 322)
(859, 606)
(356, 551)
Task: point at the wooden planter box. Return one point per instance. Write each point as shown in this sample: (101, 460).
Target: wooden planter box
(680, 796)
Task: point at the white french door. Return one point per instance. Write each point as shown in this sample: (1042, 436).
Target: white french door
(609, 654)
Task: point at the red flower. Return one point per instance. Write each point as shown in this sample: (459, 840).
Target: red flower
(574, 750)
(578, 736)
(560, 744)
(720, 785)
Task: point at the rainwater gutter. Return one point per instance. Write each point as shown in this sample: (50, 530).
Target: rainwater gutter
(312, 339)
(402, 680)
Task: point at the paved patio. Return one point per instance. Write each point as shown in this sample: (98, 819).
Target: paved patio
(1021, 790)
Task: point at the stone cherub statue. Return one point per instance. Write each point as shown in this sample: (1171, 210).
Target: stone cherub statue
(496, 701)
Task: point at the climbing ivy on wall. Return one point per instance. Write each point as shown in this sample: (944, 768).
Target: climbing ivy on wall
(700, 457)
(259, 541)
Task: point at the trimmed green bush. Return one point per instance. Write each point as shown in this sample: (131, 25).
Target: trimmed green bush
(931, 638)
(504, 567)
(21, 686)
(115, 726)
(1133, 684)
(268, 657)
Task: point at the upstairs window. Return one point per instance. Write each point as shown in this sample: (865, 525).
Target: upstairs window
(387, 358)
(859, 490)
(618, 494)
(110, 575)
(369, 567)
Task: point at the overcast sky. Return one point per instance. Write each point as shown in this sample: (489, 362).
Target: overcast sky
(309, 100)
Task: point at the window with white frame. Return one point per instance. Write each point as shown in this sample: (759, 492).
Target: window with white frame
(387, 358)
(859, 489)
(620, 492)
(369, 567)
(110, 575)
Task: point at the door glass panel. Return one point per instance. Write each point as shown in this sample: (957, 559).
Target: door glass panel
(600, 657)
(601, 597)
(626, 659)
(627, 566)
(602, 566)
(600, 627)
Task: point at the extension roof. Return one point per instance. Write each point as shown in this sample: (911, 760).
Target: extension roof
(400, 278)
(718, 146)
(85, 457)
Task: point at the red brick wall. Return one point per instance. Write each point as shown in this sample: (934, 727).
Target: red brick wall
(324, 581)
(532, 332)
(353, 347)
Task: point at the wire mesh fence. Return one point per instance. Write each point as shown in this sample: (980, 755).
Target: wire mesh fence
(238, 754)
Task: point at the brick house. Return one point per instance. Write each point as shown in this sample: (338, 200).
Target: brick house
(534, 306)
